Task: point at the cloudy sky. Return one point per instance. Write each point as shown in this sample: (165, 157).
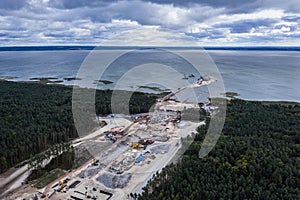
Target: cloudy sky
(154, 22)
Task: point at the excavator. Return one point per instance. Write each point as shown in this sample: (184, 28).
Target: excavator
(62, 184)
(95, 162)
(137, 146)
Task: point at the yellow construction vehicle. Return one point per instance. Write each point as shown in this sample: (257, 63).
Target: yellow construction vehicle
(136, 146)
(95, 162)
(62, 184)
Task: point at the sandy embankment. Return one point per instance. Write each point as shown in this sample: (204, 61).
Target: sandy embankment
(142, 174)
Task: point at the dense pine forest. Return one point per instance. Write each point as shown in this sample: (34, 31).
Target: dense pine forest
(35, 117)
(256, 157)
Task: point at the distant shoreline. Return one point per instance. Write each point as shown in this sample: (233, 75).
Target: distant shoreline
(230, 48)
(235, 95)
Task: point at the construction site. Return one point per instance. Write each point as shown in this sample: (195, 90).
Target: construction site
(137, 146)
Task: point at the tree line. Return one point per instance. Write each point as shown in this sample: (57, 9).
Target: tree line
(35, 117)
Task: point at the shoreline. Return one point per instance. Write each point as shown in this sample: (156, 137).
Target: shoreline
(155, 91)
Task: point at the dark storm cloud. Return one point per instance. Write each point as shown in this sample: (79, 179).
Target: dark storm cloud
(289, 5)
(232, 4)
(4, 35)
(139, 11)
(260, 39)
(58, 35)
(244, 26)
(16, 36)
(72, 4)
(291, 18)
(239, 6)
(208, 33)
(12, 4)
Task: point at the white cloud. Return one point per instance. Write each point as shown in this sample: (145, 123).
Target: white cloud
(263, 14)
(150, 36)
(146, 23)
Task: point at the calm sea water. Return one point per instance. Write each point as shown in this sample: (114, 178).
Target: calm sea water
(255, 75)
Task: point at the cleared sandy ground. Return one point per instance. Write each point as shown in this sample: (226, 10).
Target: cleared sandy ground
(13, 179)
(141, 173)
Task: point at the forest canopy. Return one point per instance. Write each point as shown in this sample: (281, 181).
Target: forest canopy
(35, 117)
(256, 157)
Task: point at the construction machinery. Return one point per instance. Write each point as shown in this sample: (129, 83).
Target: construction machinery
(137, 146)
(62, 185)
(95, 162)
(146, 142)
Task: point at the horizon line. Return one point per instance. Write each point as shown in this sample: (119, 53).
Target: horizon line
(93, 47)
